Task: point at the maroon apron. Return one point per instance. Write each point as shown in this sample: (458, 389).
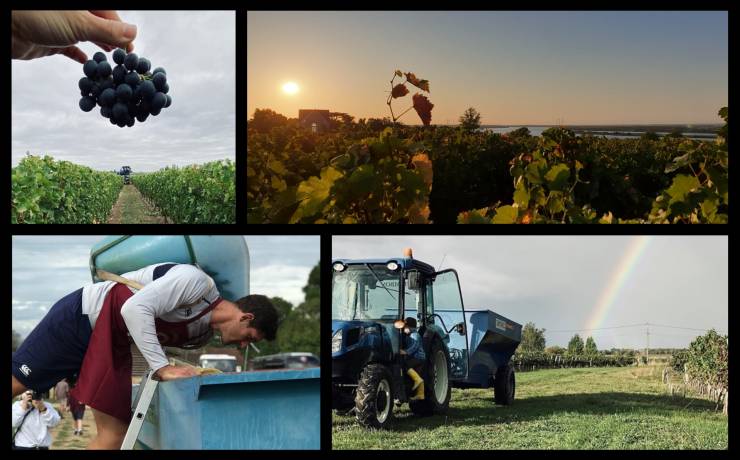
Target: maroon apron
(104, 381)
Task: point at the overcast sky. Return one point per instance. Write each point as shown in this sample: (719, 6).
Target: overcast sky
(197, 50)
(46, 268)
(556, 281)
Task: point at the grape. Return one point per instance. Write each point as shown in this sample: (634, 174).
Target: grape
(159, 79)
(126, 93)
(131, 61)
(120, 111)
(104, 69)
(107, 83)
(119, 74)
(90, 68)
(147, 90)
(86, 85)
(132, 79)
(159, 100)
(143, 66)
(87, 103)
(108, 97)
(119, 55)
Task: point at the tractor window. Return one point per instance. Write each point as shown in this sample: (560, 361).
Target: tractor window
(365, 292)
(412, 301)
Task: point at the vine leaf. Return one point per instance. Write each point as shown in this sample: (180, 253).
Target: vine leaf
(421, 84)
(423, 164)
(399, 90)
(423, 107)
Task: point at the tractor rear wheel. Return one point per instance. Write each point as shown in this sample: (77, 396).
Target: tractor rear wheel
(374, 397)
(436, 383)
(504, 385)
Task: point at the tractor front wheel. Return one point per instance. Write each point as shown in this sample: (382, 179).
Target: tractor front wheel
(374, 397)
(504, 385)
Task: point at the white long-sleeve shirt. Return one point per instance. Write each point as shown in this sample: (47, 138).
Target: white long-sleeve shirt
(35, 429)
(181, 285)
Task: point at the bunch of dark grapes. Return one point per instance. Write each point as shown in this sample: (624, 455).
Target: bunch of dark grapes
(125, 93)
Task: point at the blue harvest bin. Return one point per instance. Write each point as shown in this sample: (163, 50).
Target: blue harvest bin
(224, 257)
(278, 409)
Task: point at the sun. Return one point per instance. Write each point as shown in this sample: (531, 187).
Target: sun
(290, 88)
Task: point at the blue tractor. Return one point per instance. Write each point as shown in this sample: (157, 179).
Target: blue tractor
(463, 348)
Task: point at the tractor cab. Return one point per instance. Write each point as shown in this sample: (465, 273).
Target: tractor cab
(371, 298)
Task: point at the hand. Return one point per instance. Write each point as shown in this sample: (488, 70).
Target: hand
(175, 372)
(37, 34)
(25, 400)
(403, 352)
(40, 405)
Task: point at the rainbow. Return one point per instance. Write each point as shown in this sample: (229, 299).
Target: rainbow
(617, 280)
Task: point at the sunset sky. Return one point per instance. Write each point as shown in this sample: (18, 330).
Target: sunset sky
(514, 67)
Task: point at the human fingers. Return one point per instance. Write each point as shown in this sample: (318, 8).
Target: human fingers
(105, 47)
(71, 52)
(109, 31)
(112, 15)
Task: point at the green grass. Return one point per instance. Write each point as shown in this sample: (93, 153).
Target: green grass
(591, 408)
(130, 208)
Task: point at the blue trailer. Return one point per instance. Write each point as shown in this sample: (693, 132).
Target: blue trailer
(274, 409)
(373, 300)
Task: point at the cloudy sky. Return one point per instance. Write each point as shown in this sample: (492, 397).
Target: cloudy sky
(46, 268)
(557, 282)
(195, 47)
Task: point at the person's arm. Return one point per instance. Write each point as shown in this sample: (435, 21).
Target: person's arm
(18, 414)
(49, 415)
(413, 345)
(181, 285)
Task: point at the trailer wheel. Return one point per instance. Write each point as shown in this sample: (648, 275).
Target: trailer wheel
(504, 385)
(436, 383)
(374, 397)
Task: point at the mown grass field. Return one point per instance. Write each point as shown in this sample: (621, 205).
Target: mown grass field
(585, 408)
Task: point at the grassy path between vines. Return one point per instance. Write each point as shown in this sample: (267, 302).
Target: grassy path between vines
(130, 208)
(584, 408)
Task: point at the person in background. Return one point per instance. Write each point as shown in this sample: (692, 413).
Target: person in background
(78, 413)
(61, 390)
(32, 418)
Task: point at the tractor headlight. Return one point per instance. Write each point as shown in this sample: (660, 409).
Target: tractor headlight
(336, 342)
(392, 266)
(339, 267)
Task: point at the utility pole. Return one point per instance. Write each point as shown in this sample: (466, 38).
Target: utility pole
(647, 343)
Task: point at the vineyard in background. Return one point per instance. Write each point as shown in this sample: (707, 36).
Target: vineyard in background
(196, 194)
(703, 369)
(59, 192)
(376, 171)
(534, 361)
